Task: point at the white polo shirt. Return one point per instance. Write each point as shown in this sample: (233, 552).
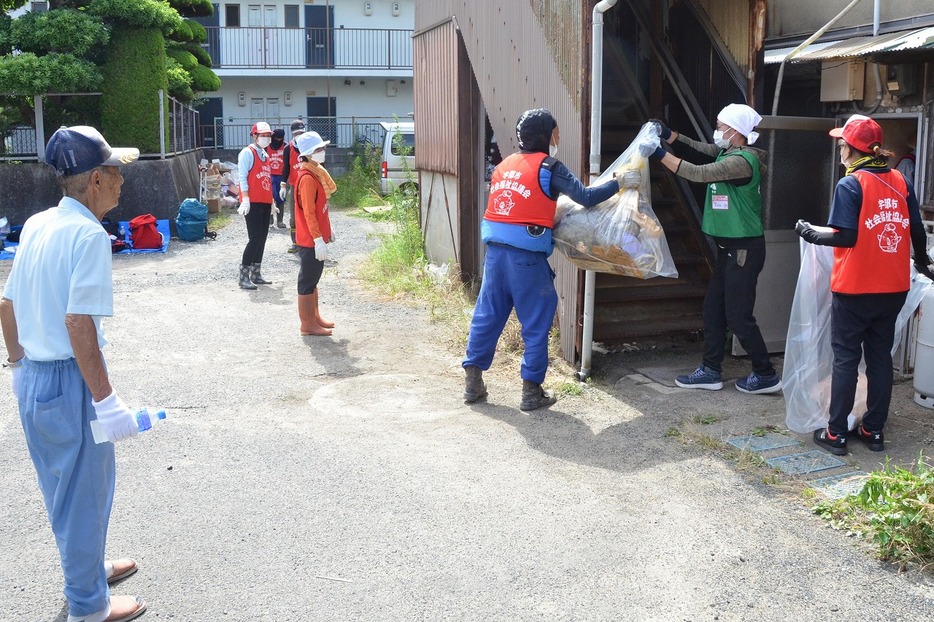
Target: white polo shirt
(63, 265)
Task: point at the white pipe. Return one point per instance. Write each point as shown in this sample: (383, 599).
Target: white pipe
(807, 42)
(40, 127)
(596, 117)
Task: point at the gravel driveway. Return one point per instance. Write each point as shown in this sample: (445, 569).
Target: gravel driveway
(343, 478)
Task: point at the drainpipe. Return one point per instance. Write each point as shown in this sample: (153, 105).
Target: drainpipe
(809, 41)
(878, 72)
(596, 117)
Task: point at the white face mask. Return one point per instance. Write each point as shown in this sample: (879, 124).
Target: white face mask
(719, 139)
(552, 150)
(318, 157)
(263, 141)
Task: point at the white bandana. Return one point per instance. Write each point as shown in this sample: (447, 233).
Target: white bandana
(741, 118)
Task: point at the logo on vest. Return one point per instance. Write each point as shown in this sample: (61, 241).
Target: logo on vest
(503, 203)
(889, 239)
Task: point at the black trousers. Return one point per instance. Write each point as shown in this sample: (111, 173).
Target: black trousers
(862, 325)
(309, 271)
(257, 230)
(729, 302)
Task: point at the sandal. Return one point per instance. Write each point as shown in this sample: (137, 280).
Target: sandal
(119, 569)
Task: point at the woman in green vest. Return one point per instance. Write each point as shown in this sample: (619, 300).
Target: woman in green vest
(733, 218)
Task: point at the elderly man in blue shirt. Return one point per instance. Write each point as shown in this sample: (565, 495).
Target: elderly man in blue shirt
(59, 288)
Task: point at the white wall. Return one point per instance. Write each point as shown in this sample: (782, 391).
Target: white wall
(347, 13)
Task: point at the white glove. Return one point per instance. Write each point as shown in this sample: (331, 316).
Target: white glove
(282, 192)
(321, 249)
(274, 211)
(115, 419)
(17, 378)
(244, 208)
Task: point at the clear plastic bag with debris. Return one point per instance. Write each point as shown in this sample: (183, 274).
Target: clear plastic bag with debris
(621, 235)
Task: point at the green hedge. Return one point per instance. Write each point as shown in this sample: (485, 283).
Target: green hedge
(183, 57)
(142, 14)
(179, 80)
(203, 80)
(64, 31)
(134, 73)
(193, 8)
(28, 74)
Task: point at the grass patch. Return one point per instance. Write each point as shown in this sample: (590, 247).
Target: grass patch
(705, 419)
(359, 187)
(218, 220)
(895, 509)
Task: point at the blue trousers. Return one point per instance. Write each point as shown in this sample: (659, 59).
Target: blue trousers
(76, 476)
(862, 326)
(520, 279)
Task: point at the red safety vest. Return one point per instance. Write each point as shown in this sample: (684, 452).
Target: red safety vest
(516, 195)
(302, 234)
(880, 261)
(258, 179)
(276, 163)
(294, 164)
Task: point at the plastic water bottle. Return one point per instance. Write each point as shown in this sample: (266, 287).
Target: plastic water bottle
(143, 422)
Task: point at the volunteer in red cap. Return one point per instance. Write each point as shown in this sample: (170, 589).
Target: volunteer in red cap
(873, 219)
(255, 203)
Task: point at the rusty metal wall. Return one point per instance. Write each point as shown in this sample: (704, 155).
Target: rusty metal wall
(435, 97)
(524, 53)
(731, 20)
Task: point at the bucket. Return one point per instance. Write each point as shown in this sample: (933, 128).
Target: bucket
(924, 357)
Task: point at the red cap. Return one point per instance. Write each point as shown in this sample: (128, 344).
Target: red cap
(860, 132)
(260, 128)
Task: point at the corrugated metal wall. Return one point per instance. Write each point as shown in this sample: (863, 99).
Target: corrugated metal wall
(731, 20)
(435, 54)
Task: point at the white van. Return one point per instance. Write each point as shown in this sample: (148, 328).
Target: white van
(398, 170)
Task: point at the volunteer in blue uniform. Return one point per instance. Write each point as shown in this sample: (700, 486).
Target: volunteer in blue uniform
(516, 229)
(59, 288)
(874, 216)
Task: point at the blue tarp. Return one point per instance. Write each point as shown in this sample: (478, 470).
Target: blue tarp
(161, 225)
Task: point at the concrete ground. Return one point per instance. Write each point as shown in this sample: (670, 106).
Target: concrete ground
(343, 478)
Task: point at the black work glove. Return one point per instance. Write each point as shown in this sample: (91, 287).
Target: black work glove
(663, 132)
(924, 269)
(806, 231)
(649, 149)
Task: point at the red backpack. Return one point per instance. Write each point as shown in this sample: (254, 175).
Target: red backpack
(143, 232)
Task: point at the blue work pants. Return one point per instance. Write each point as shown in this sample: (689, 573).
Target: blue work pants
(520, 279)
(76, 476)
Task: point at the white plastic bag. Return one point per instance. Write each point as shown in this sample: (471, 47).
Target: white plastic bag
(622, 235)
(808, 368)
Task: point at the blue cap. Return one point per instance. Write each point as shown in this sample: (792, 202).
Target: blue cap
(80, 148)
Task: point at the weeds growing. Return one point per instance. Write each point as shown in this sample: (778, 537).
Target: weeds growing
(896, 509)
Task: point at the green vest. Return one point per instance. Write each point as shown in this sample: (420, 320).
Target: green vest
(734, 211)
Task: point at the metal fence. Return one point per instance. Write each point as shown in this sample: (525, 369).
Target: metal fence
(179, 129)
(228, 133)
(310, 48)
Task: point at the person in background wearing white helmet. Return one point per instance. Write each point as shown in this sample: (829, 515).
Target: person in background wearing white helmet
(312, 186)
(256, 204)
(733, 218)
(286, 187)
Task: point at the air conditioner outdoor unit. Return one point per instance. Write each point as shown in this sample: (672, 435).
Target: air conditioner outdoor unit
(842, 80)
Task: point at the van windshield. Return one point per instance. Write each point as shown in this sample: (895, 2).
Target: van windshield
(403, 144)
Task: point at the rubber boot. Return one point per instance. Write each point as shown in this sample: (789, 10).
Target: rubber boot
(245, 282)
(321, 322)
(306, 313)
(256, 277)
(279, 217)
(534, 396)
(474, 387)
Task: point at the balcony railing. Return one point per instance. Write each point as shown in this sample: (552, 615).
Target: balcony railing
(309, 48)
(229, 133)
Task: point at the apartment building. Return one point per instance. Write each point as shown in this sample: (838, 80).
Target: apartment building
(343, 65)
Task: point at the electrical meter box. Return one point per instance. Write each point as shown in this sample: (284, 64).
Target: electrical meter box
(842, 80)
(901, 80)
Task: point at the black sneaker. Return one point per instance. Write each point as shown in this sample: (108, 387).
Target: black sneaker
(874, 440)
(834, 444)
